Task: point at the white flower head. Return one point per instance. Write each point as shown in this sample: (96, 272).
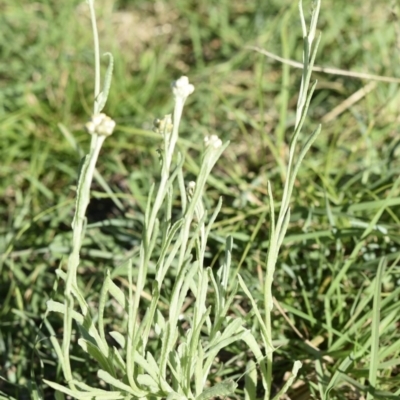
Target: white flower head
(190, 188)
(100, 124)
(213, 141)
(182, 88)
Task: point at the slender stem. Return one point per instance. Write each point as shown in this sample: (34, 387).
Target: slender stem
(279, 228)
(96, 47)
(83, 197)
(82, 202)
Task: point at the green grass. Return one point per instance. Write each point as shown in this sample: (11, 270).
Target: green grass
(336, 285)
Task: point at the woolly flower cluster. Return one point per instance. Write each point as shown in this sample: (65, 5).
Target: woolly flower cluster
(213, 141)
(182, 88)
(100, 124)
